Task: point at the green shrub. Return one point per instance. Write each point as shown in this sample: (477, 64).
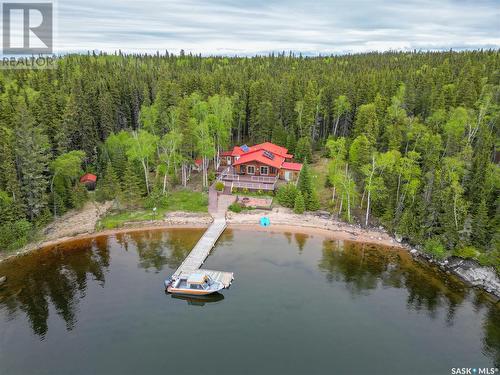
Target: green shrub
(235, 207)
(313, 202)
(286, 195)
(303, 149)
(14, 235)
(244, 191)
(466, 252)
(79, 196)
(299, 206)
(434, 247)
(219, 186)
(490, 258)
(156, 199)
(211, 177)
(260, 192)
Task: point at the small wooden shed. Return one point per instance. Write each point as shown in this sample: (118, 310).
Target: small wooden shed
(89, 180)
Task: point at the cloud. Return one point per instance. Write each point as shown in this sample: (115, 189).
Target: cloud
(251, 27)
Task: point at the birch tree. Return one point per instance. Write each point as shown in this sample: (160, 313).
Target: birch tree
(220, 119)
(142, 148)
(341, 107)
(170, 156)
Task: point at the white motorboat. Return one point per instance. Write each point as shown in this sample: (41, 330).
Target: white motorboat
(197, 284)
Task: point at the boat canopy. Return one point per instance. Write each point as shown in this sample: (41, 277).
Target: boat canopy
(196, 278)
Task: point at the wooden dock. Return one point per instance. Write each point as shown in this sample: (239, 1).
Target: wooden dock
(200, 252)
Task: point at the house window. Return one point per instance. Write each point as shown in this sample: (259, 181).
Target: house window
(264, 171)
(272, 170)
(250, 169)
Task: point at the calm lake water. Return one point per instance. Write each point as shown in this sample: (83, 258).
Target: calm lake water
(300, 304)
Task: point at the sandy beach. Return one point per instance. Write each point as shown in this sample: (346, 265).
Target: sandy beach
(82, 224)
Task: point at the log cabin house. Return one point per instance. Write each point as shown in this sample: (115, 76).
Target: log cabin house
(258, 167)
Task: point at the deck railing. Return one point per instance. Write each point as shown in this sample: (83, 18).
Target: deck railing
(251, 185)
(231, 177)
(226, 172)
(269, 180)
(236, 177)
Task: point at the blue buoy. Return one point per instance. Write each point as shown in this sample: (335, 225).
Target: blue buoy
(264, 221)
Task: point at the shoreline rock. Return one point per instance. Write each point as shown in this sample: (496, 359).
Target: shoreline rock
(469, 271)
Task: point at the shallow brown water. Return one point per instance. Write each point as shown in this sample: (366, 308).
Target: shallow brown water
(299, 304)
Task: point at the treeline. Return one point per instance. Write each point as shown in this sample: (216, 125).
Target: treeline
(412, 135)
(431, 181)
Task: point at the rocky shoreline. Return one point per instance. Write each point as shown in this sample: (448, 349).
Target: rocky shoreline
(468, 270)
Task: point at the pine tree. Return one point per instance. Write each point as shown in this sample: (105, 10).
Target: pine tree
(67, 136)
(131, 185)
(79, 195)
(305, 181)
(107, 118)
(32, 159)
(266, 120)
(7, 214)
(108, 186)
(367, 122)
(299, 207)
(291, 142)
(8, 174)
(360, 153)
(279, 136)
(313, 203)
(303, 150)
(480, 226)
(286, 195)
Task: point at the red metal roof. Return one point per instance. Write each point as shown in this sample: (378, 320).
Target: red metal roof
(292, 166)
(258, 155)
(88, 177)
(275, 149)
(268, 146)
(237, 151)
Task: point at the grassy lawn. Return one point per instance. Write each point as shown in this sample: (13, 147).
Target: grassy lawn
(116, 220)
(181, 200)
(185, 200)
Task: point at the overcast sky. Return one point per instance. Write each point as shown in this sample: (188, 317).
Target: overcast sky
(232, 27)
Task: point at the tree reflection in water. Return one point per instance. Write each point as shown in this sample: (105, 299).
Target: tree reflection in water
(151, 246)
(57, 275)
(364, 267)
(57, 278)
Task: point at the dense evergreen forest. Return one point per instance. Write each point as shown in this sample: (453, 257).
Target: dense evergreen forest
(412, 137)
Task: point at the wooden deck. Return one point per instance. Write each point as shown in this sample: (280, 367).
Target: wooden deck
(200, 252)
(233, 180)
